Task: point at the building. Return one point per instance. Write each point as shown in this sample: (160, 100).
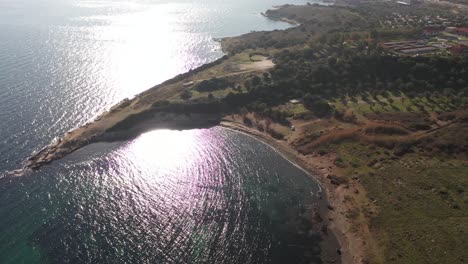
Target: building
(398, 45)
(410, 47)
(450, 29)
(188, 84)
(423, 50)
(432, 31)
(403, 3)
(458, 31)
(462, 32)
(441, 45)
(295, 101)
(448, 37)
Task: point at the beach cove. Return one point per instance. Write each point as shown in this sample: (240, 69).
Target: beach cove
(82, 206)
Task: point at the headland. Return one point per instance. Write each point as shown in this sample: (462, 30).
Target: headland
(370, 97)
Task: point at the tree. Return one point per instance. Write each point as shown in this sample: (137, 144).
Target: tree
(256, 81)
(266, 77)
(316, 104)
(186, 95)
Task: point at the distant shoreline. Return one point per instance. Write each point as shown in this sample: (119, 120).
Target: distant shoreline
(282, 19)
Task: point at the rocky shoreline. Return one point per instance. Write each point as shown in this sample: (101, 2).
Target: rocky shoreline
(77, 139)
(103, 129)
(352, 245)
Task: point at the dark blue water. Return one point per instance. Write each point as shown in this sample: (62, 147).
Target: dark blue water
(199, 196)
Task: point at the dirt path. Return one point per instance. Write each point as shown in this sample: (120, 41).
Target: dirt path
(245, 68)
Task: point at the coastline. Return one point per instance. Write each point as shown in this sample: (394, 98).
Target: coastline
(390, 158)
(282, 19)
(352, 245)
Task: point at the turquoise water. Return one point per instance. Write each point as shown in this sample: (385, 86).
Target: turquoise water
(198, 196)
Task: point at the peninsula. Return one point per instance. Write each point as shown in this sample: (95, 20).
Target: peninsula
(371, 97)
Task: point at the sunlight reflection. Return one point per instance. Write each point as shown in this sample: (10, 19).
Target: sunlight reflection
(164, 147)
(139, 39)
(167, 163)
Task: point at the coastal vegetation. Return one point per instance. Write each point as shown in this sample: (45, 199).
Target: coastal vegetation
(385, 133)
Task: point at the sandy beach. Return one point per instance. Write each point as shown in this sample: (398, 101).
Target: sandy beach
(352, 244)
(350, 235)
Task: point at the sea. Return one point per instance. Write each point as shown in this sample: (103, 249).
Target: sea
(195, 196)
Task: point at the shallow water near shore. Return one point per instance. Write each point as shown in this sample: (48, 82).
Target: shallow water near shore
(63, 62)
(195, 196)
(198, 196)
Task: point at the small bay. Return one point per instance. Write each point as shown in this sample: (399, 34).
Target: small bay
(195, 196)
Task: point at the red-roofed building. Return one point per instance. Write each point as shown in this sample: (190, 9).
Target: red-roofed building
(461, 31)
(432, 31)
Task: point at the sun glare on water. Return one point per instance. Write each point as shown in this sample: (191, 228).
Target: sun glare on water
(170, 162)
(163, 147)
(143, 35)
(144, 46)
